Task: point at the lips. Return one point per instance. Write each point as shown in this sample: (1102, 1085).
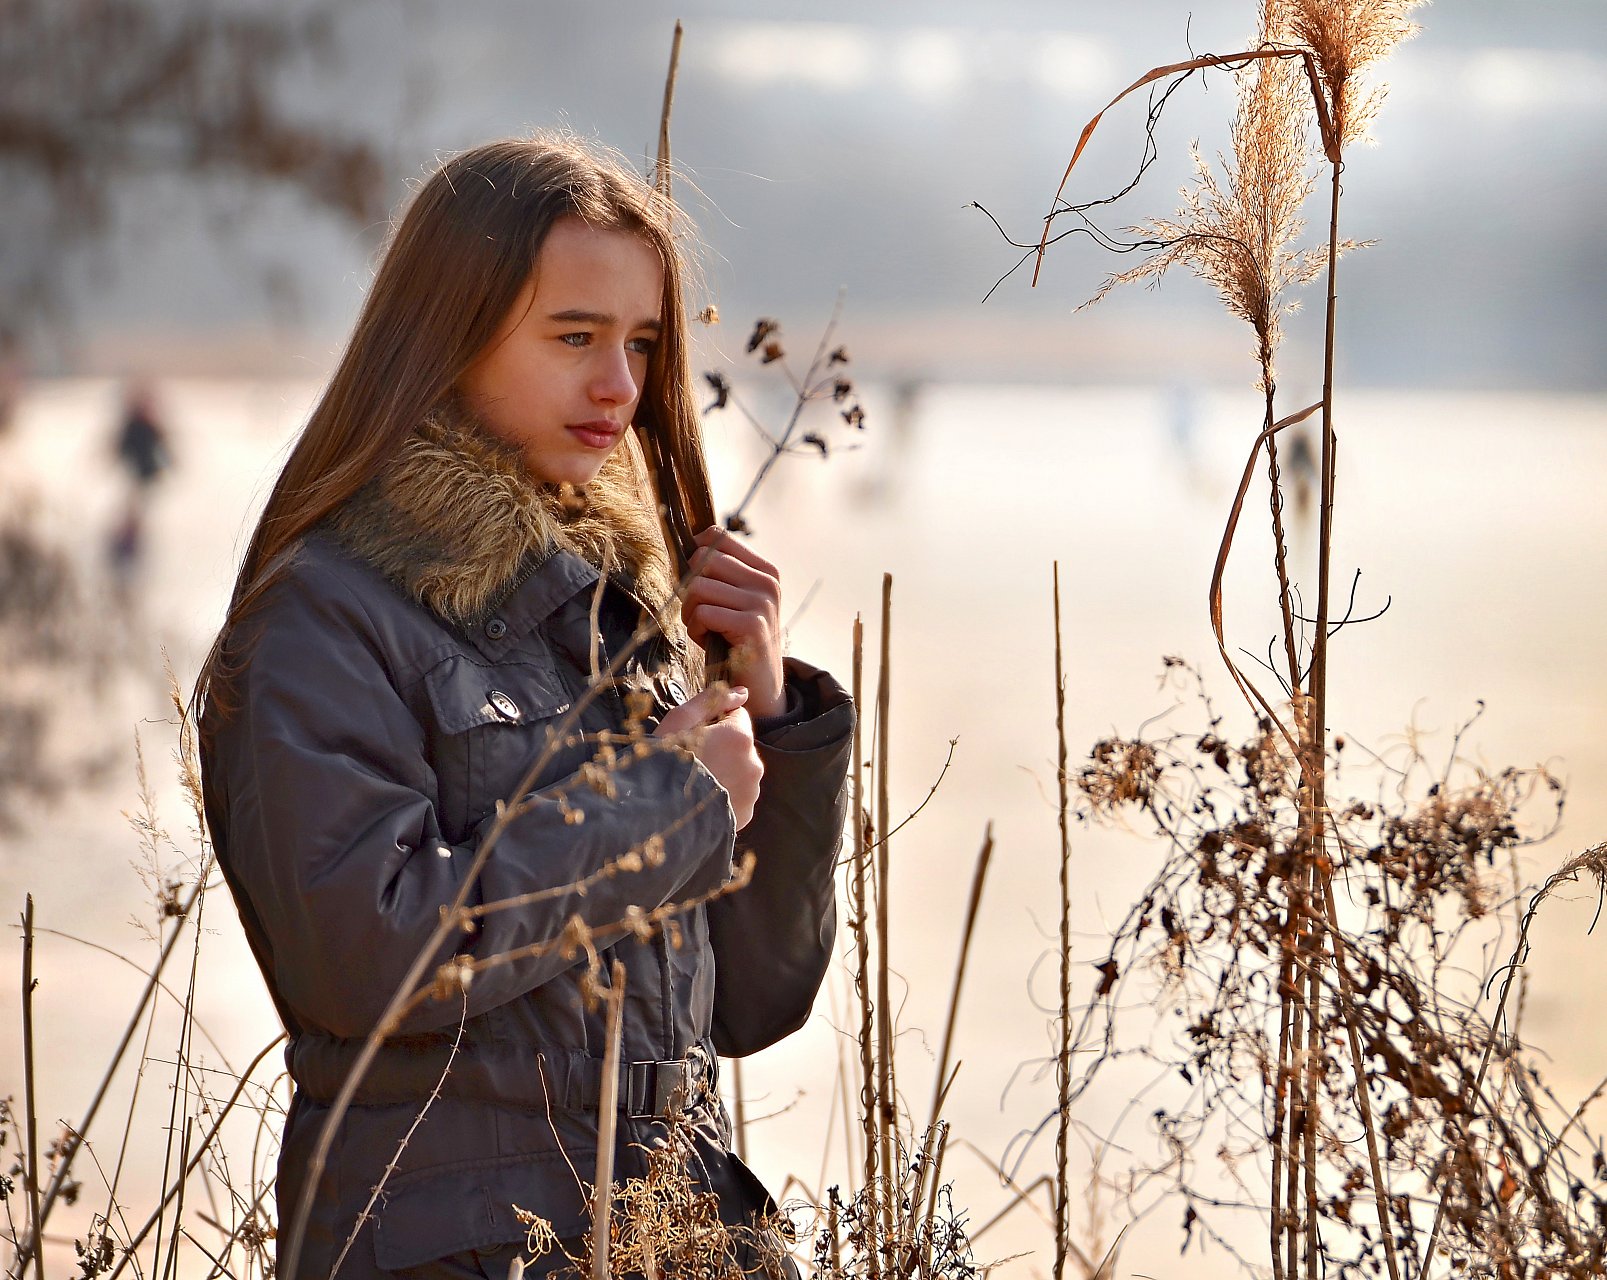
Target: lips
(600, 433)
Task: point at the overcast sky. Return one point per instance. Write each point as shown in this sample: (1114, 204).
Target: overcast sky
(839, 145)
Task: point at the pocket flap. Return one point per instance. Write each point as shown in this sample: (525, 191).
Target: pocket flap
(465, 695)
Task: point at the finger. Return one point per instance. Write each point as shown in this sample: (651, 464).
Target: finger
(727, 595)
(738, 626)
(715, 566)
(717, 538)
(712, 704)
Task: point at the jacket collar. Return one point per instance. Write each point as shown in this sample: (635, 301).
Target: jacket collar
(454, 521)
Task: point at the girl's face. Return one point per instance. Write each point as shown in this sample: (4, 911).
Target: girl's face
(562, 377)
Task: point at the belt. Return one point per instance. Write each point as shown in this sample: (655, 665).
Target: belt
(648, 1089)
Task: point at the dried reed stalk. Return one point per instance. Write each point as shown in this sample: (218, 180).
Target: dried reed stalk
(887, 1098)
(607, 1123)
(663, 175)
(973, 905)
(30, 1097)
(861, 926)
(1063, 1055)
(739, 1109)
(1239, 236)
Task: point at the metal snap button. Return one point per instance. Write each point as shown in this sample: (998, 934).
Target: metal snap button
(496, 629)
(503, 705)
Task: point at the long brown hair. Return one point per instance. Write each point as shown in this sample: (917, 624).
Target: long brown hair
(456, 261)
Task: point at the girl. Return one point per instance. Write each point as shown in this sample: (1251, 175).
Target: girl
(454, 561)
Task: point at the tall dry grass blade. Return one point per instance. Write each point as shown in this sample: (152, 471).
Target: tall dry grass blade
(841, 1091)
(178, 1114)
(170, 1266)
(76, 1136)
(195, 1160)
(1253, 695)
(1313, 1079)
(607, 1122)
(1063, 1055)
(739, 1101)
(35, 1244)
(861, 905)
(978, 879)
(662, 173)
(887, 1097)
(378, 1190)
(934, 1186)
(918, 1187)
(1348, 1005)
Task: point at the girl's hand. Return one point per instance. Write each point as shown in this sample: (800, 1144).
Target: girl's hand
(717, 730)
(737, 595)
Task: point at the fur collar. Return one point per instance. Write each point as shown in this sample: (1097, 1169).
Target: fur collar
(453, 517)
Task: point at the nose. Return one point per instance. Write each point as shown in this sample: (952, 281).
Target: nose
(613, 379)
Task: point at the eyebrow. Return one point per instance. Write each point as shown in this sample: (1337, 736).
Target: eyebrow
(602, 318)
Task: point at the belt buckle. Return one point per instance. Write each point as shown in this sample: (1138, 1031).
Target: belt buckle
(681, 1084)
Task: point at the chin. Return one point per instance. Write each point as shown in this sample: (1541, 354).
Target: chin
(578, 473)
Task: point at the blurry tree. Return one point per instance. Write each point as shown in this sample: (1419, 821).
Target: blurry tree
(93, 92)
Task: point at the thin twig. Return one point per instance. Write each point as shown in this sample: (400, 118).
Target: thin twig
(195, 1160)
(77, 1136)
(30, 1097)
(978, 878)
(1063, 1056)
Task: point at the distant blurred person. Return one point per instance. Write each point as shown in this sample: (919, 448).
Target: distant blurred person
(142, 445)
(142, 451)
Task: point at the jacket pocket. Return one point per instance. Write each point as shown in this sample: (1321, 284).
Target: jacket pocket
(489, 725)
(437, 1212)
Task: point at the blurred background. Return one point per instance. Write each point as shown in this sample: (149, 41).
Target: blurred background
(192, 196)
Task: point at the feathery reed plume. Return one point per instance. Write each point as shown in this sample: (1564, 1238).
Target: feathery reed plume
(1240, 233)
(1345, 37)
(1310, 941)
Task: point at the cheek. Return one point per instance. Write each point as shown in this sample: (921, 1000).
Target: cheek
(641, 375)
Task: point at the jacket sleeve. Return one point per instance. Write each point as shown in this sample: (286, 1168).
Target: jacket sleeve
(773, 939)
(321, 796)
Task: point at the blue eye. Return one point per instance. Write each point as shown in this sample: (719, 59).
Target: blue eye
(641, 346)
(575, 339)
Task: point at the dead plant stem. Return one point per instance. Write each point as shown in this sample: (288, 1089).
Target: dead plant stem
(978, 879)
(1280, 552)
(30, 1097)
(662, 176)
(861, 905)
(607, 1122)
(1312, 1080)
(1063, 1055)
(76, 1136)
(1347, 1005)
(739, 1103)
(887, 1105)
(195, 1159)
(178, 1107)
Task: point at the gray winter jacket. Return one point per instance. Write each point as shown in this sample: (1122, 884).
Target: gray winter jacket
(383, 709)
